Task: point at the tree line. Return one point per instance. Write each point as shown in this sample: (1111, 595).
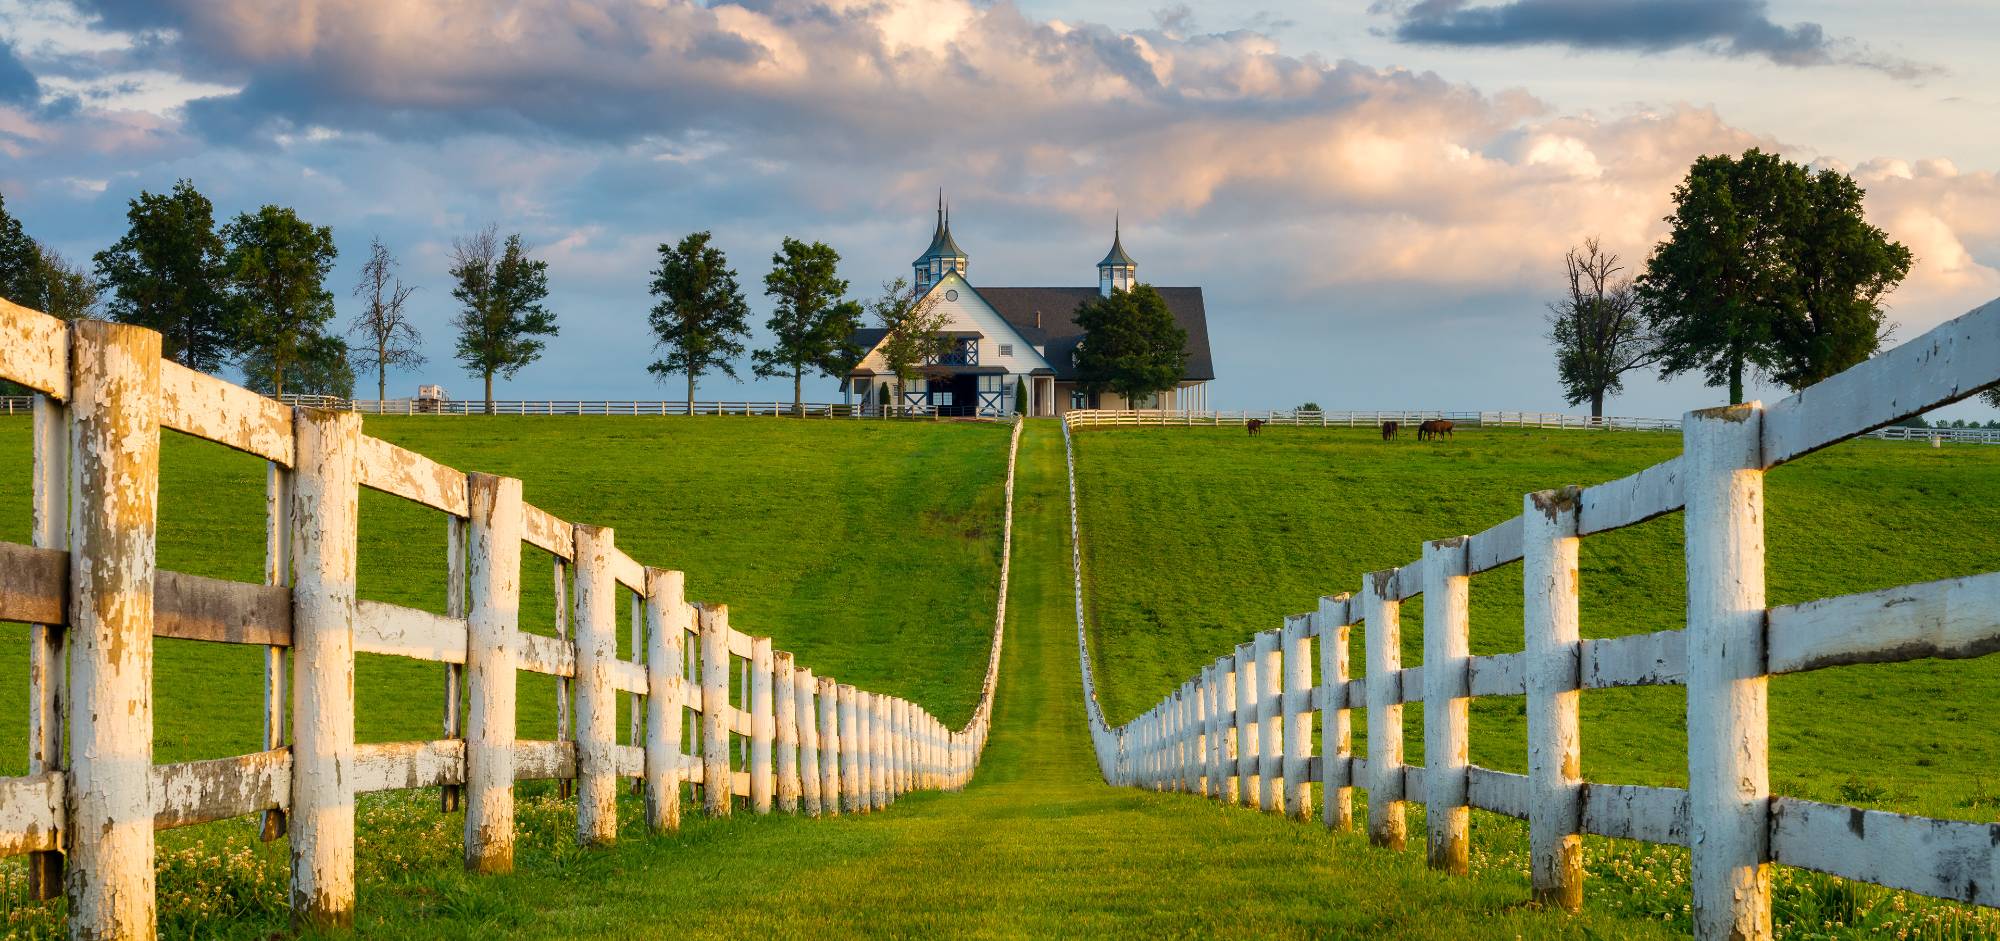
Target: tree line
(1769, 268)
(251, 293)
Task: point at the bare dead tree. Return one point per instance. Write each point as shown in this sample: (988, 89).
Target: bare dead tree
(390, 340)
(1597, 328)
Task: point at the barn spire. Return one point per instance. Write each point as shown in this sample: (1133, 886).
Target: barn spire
(943, 255)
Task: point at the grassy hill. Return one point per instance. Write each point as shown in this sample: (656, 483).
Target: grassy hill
(1036, 846)
(867, 549)
(1195, 538)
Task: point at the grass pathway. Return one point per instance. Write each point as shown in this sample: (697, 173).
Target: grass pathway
(1036, 846)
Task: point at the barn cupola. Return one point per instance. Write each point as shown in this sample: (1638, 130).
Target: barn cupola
(1117, 272)
(944, 255)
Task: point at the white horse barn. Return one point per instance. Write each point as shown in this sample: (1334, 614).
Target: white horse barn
(1022, 338)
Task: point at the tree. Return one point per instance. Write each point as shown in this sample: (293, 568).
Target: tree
(389, 339)
(701, 318)
(68, 291)
(1131, 344)
(277, 266)
(319, 366)
(168, 273)
(913, 322)
(812, 327)
(1716, 288)
(500, 291)
(1841, 268)
(20, 262)
(1597, 328)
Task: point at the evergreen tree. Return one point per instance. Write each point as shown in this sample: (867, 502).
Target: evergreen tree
(701, 319)
(812, 327)
(168, 273)
(1131, 345)
(500, 290)
(277, 266)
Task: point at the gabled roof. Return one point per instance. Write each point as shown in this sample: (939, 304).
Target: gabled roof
(1046, 318)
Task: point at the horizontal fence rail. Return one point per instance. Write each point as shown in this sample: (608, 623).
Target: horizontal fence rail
(1408, 420)
(712, 707)
(1242, 729)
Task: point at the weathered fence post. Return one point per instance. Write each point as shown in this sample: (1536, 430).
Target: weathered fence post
(325, 500)
(832, 738)
(716, 780)
(878, 751)
(763, 725)
(1729, 775)
(807, 721)
(666, 695)
(47, 678)
(114, 436)
(905, 750)
(1447, 662)
(494, 619)
(851, 786)
(1298, 678)
(1270, 721)
(1384, 636)
(561, 572)
(1231, 726)
(1336, 721)
(596, 699)
(1246, 726)
(1193, 735)
(277, 572)
(783, 696)
(457, 537)
(1210, 736)
(1550, 624)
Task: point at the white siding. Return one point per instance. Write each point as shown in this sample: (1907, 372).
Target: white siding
(970, 314)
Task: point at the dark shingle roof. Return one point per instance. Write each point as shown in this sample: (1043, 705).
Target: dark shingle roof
(1058, 333)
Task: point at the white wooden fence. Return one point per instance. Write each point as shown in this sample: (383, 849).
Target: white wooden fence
(1115, 418)
(603, 407)
(1241, 730)
(89, 588)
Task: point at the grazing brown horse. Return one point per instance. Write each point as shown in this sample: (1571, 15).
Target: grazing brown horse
(1389, 430)
(1435, 428)
(1255, 425)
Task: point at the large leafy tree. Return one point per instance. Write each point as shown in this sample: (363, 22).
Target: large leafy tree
(387, 337)
(20, 262)
(812, 326)
(913, 323)
(500, 290)
(701, 319)
(277, 266)
(1841, 268)
(1131, 344)
(1767, 267)
(168, 273)
(319, 366)
(1598, 331)
(68, 291)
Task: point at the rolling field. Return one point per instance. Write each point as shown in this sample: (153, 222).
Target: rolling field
(1036, 846)
(1195, 538)
(865, 549)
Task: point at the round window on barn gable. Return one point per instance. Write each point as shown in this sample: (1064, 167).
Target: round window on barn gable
(951, 294)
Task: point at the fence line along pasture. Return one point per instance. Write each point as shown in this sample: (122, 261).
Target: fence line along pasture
(1241, 730)
(1102, 418)
(603, 407)
(89, 588)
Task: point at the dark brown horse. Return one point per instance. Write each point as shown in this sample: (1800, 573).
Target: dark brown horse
(1389, 430)
(1255, 425)
(1435, 428)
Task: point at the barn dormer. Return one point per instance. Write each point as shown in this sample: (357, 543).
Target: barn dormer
(1117, 272)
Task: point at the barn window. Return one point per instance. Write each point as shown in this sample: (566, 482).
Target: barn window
(1006, 349)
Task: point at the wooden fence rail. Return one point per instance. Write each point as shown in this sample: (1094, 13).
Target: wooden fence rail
(90, 590)
(604, 407)
(1203, 736)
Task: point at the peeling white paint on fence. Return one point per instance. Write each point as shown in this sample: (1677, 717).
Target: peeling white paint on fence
(90, 585)
(1728, 818)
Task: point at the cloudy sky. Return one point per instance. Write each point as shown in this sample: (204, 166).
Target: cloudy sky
(1375, 199)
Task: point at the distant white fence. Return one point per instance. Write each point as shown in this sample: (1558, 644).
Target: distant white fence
(94, 599)
(604, 407)
(1241, 730)
(1409, 418)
